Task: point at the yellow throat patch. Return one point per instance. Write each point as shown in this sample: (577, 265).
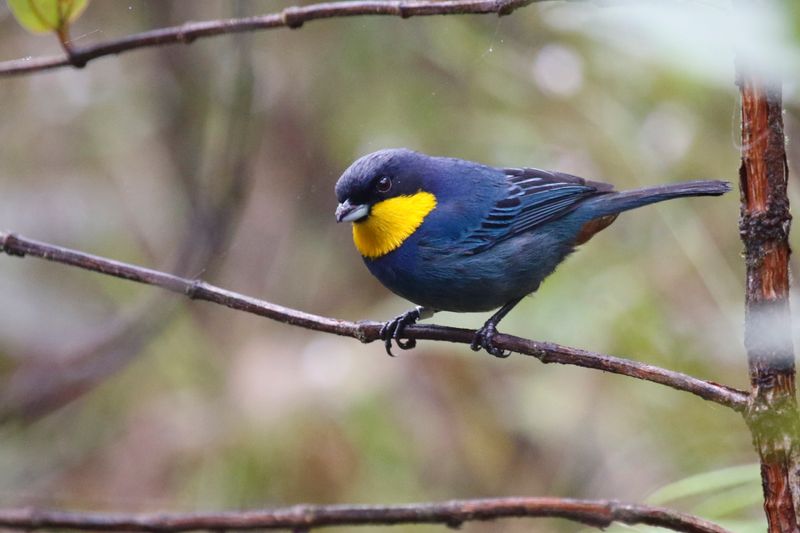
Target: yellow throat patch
(391, 222)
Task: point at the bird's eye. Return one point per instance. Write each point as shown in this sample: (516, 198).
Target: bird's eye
(383, 184)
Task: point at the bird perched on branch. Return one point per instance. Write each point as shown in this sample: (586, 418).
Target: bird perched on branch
(453, 235)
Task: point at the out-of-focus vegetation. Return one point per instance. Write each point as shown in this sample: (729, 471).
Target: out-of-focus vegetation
(218, 160)
(41, 16)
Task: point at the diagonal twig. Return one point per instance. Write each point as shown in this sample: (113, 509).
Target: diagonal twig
(546, 352)
(290, 17)
(595, 513)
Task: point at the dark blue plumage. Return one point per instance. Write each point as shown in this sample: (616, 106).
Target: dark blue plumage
(494, 233)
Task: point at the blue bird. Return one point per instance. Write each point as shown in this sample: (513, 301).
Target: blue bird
(453, 235)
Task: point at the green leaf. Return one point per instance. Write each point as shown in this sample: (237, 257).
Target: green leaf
(708, 482)
(729, 502)
(41, 16)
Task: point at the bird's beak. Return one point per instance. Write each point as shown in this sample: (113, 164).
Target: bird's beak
(347, 212)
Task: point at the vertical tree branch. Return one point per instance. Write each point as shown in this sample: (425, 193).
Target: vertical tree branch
(764, 228)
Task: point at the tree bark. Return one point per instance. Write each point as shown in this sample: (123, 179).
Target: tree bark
(764, 228)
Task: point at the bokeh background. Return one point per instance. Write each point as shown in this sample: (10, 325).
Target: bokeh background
(218, 160)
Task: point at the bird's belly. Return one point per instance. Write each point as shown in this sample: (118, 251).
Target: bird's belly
(447, 279)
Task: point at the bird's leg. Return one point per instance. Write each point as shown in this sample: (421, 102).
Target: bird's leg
(393, 329)
(485, 335)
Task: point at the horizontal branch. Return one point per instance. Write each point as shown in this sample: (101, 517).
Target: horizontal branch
(546, 352)
(596, 513)
(291, 17)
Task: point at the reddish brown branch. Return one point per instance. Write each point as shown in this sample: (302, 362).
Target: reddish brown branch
(596, 513)
(369, 331)
(291, 17)
(764, 226)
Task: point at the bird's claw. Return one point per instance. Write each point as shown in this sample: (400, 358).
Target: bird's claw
(484, 338)
(393, 330)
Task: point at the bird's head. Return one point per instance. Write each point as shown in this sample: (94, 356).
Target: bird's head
(386, 197)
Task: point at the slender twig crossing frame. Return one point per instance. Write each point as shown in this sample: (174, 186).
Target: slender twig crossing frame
(290, 17)
(546, 352)
(596, 513)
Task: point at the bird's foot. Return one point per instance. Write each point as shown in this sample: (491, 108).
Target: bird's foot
(393, 330)
(484, 338)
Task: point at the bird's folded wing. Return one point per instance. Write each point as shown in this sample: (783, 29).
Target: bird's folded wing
(534, 197)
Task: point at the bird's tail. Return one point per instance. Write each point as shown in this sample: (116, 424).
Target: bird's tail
(616, 202)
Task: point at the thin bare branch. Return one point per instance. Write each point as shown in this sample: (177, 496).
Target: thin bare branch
(596, 513)
(546, 352)
(290, 17)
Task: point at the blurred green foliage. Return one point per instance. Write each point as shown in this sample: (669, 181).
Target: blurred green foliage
(218, 160)
(46, 15)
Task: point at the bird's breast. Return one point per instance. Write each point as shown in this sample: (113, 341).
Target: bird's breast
(391, 222)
